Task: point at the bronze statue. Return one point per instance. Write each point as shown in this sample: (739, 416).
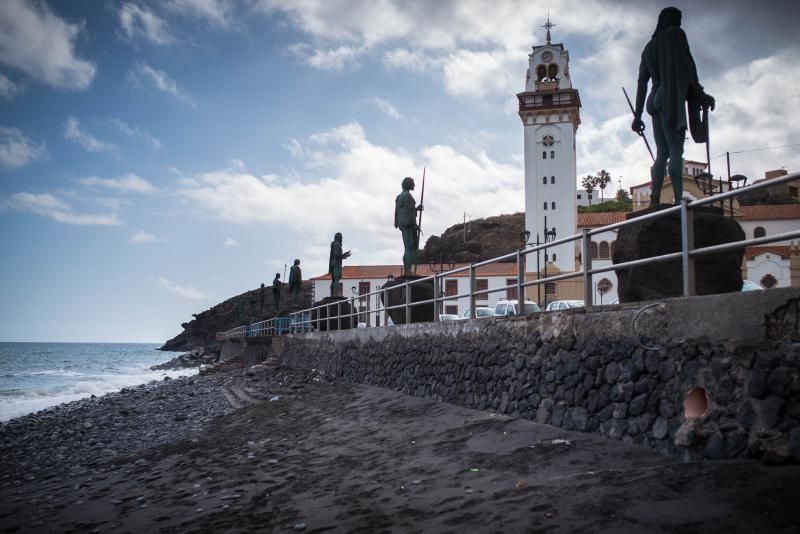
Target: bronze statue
(668, 64)
(405, 218)
(276, 292)
(262, 296)
(335, 262)
(295, 281)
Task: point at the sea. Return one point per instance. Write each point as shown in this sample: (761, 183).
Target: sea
(34, 376)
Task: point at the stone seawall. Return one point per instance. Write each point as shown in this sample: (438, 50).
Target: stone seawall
(623, 371)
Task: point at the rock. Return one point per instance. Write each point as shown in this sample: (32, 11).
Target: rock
(638, 404)
(714, 273)
(772, 411)
(660, 428)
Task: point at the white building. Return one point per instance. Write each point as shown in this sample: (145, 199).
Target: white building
(775, 264)
(550, 112)
(359, 280)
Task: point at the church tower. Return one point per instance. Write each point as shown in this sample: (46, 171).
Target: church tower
(550, 112)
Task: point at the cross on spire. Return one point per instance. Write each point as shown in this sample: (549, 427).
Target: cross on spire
(547, 25)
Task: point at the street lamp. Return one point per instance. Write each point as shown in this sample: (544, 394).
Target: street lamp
(549, 237)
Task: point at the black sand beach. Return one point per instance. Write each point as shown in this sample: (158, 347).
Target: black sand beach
(278, 450)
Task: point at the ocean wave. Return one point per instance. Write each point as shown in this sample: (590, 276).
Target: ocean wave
(18, 402)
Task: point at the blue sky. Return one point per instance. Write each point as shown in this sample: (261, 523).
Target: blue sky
(159, 157)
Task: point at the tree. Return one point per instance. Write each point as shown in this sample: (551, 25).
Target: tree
(601, 180)
(588, 185)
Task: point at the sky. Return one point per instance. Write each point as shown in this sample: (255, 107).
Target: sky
(159, 157)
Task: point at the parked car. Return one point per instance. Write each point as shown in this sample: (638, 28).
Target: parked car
(509, 307)
(449, 317)
(749, 285)
(480, 312)
(559, 305)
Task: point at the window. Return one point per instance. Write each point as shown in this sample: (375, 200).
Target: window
(544, 180)
(554, 257)
(552, 205)
(552, 154)
(451, 310)
(759, 232)
(552, 179)
(603, 252)
(450, 288)
(545, 205)
(511, 293)
(579, 196)
(482, 284)
(593, 250)
(544, 154)
(768, 281)
(550, 288)
(377, 319)
(363, 289)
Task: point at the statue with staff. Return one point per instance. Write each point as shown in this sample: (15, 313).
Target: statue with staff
(295, 281)
(668, 65)
(405, 219)
(335, 262)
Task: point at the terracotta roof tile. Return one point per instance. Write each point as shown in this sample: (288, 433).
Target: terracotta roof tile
(352, 272)
(781, 250)
(770, 211)
(593, 220)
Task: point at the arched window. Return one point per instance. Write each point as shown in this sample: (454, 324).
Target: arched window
(552, 179)
(759, 232)
(544, 180)
(552, 205)
(552, 154)
(554, 257)
(545, 205)
(603, 250)
(544, 154)
(593, 250)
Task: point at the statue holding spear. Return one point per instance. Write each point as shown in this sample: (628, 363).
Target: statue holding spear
(405, 219)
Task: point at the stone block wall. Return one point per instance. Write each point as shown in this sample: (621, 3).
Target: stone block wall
(622, 371)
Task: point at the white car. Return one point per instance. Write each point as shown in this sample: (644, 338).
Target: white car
(560, 305)
(480, 313)
(449, 317)
(509, 307)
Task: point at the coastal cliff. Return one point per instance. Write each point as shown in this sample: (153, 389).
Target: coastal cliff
(200, 332)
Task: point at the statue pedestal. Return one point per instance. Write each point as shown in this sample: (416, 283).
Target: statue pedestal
(714, 273)
(322, 314)
(419, 292)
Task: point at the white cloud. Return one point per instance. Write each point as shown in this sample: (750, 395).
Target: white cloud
(188, 292)
(17, 150)
(161, 81)
(327, 58)
(73, 132)
(345, 174)
(216, 12)
(136, 132)
(8, 89)
(414, 61)
(384, 106)
(36, 41)
(231, 242)
(129, 183)
(54, 208)
(142, 237)
(140, 23)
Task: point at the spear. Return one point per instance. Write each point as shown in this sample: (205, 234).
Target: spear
(419, 223)
(641, 133)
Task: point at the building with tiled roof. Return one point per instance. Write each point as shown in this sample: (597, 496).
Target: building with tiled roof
(360, 280)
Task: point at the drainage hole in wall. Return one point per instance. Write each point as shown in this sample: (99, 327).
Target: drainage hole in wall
(695, 403)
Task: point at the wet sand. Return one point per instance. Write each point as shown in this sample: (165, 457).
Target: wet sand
(352, 458)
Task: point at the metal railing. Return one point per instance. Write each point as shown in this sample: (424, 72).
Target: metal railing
(312, 319)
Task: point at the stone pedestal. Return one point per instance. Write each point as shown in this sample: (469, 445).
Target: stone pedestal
(419, 292)
(322, 313)
(715, 273)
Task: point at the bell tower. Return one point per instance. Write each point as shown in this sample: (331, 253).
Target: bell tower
(550, 112)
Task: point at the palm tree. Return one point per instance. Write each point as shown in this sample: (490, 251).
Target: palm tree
(602, 179)
(588, 185)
